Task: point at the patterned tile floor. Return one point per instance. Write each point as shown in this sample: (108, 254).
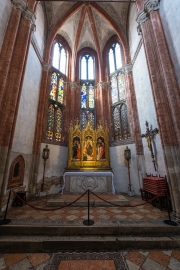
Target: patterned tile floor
(133, 260)
(142, 212)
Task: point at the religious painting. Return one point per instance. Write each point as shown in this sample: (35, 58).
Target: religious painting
(88, 150)
(76, 148)
(100, 150)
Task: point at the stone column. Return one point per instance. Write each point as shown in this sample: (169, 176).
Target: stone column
(74, 101)
(134, 121)
(102, 99)
(40, 124)
(172, 90)
(13, 85)
(19, 6)
(157, 63)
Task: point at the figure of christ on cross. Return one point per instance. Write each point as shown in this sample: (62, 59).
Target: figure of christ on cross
(149, 135)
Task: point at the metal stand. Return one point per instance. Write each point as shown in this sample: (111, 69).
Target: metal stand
(169, 222)
(131, 192)
(88, 222)
(6, 221)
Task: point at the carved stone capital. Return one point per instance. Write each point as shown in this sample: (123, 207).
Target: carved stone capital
(21, 4)
(128, 68)
(46, 67)
(29, 15)
(73, 85)
(102, 85)
(151, 5)
(142, 17)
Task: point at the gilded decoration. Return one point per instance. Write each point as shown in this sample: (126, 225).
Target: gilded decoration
(88, 148)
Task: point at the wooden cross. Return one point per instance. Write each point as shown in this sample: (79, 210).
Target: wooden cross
(149, 135)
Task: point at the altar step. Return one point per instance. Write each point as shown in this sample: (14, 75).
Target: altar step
(113, 237)
(61, 200)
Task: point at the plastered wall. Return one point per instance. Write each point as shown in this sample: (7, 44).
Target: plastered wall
(5, 10)
(169, 12)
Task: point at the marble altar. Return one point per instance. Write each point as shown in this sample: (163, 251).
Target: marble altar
(79, 182)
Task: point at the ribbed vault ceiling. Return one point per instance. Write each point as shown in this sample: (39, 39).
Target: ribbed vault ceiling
(86, 26)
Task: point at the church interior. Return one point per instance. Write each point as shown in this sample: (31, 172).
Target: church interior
(90, 101)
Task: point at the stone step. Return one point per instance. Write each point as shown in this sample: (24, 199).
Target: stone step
(64, 199)
(31, 244)
(110, 228)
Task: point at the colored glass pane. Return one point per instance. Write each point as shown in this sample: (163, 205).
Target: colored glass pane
(124, 122)
(83, 119)
(61, 90)
(58, 125)
(121, 87)
(83, 96)
(117, 123)
(114, 90)
(91, 96)
(50, 122)
(53, 86)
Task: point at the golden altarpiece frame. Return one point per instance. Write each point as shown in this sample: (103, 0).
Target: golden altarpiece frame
(88, 148)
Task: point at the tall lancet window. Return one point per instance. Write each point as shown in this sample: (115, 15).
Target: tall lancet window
(87, 110)
(115, 60)
(120, 121)
(59, 58)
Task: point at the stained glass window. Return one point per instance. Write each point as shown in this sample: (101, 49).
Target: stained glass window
(118, 95)
(53, 86)
(121, 87)
(55, 109)
(50, 123)
(61, 90)
(114, 90)
(87, 103)
(121, 127)
(83, 96)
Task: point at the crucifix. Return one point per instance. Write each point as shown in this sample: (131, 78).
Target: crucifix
(149, 135)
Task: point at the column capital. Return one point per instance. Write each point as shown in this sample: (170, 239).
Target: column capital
(102, 85)
(73, 85)
(29, 15)
(151, 5)
(128, 68)
(21, 4)
(46, 67)
(148, 7)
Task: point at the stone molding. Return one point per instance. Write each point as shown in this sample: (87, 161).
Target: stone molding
(142, 17)
(29, 15)
(128, 68)
(21, 4)
(102, 85)
(148, 7)
(33, 28)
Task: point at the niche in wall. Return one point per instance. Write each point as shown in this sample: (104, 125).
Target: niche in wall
(16, 175)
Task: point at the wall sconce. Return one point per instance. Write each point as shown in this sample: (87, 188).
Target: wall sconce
(45, 156)
(127, 156)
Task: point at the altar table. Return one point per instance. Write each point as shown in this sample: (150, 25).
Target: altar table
(79, 182)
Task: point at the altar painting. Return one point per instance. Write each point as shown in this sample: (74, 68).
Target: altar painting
(100, 149)
(76, 148)
(88, 149)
